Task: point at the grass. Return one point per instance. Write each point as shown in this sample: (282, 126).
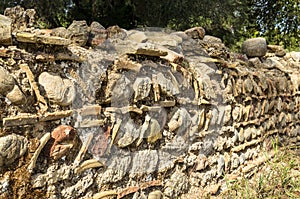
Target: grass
(278, 178)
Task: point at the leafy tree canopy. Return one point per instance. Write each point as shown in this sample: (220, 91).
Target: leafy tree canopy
(278, 21)
(231, 20)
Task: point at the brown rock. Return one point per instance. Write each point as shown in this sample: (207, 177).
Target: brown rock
(5, 30)
(278, 50)
(21, 19)
(55, 116)
(172, 56)
(150, 50)
(43, 57)
(26, 37)
(155, 195)
(256, 47)
(64, 139)
(116, 32)
(97, 35)
(78, 32)
(52, 40)
(196, 32)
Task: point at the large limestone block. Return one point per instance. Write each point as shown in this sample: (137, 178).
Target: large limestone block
(255, 47)
(5, 30)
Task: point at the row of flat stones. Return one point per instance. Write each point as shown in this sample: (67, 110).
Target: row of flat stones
(260, 101)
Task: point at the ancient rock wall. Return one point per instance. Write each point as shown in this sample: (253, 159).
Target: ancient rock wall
(88, 112)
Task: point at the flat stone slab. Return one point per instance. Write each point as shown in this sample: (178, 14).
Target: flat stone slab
(42, 39)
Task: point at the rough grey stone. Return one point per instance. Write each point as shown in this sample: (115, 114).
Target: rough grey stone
(136, 36)
(144, 162)
(78, 32)
(256, 47)
(177, 184)
(12, 147)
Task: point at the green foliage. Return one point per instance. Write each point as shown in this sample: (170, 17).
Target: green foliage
(278, 21)
(231, 20)
(107, 12)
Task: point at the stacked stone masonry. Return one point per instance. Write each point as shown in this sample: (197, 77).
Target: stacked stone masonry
(89, 112)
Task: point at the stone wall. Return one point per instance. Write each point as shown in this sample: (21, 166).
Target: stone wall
(88, 112)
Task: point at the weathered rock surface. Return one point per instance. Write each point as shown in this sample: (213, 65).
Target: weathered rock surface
(136, 36)
(60, 32)
(5, 30)
(212, 39)
(295, 56)
(12, 147)
(21, 18)
(16, 96)
(60, 91)
(277, 50)
(97, 35)
(196, 33)
(177, 184)
(64, 140)
(78, 32)
(155, 109)
(41, 39)
(256, 47)
(7, 82)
